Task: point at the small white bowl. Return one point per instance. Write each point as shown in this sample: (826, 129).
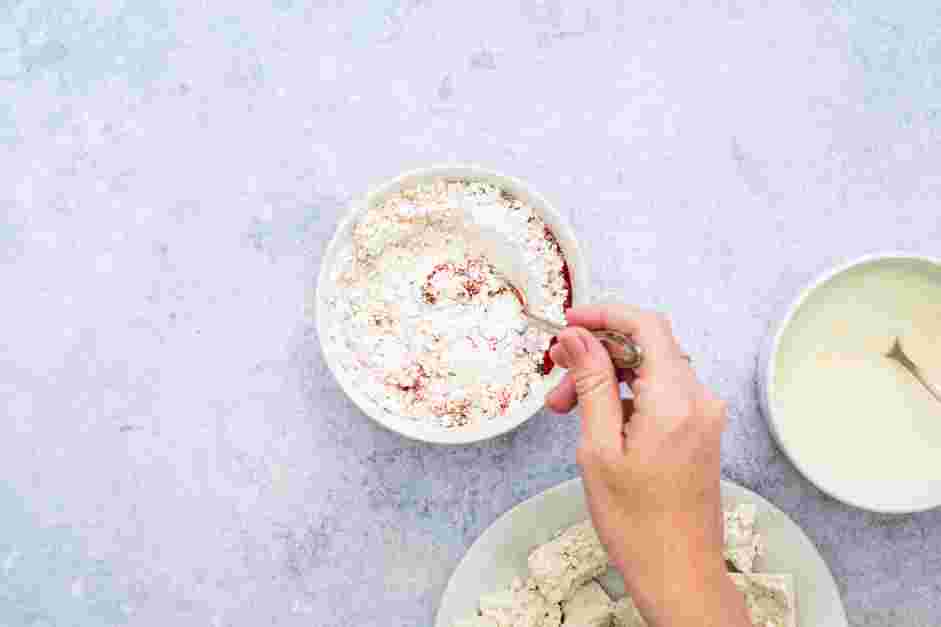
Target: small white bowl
(857, 494)
(578, 269)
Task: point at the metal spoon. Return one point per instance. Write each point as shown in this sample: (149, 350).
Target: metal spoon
(625, 353)
(897, 354)
(510, 268)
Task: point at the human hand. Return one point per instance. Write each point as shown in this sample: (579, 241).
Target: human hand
(651, 466)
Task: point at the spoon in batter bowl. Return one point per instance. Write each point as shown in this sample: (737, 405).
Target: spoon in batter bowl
(896, 353)
(510, 268)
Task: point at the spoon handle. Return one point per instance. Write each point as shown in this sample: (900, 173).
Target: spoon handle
(916, 372)
(902, 358)
(625, 353)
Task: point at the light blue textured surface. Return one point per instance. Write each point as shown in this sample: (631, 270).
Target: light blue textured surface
(172, 448)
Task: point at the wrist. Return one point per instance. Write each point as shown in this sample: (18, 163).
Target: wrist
(673, 547)
(674, 587)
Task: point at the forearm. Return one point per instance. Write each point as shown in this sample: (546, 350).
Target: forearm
(695, 593)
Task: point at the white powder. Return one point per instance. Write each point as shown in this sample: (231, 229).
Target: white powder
(420, 320)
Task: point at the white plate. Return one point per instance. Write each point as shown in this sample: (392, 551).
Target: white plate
(500, 553)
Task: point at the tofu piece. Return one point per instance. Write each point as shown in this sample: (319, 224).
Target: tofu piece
(743, 545)
(565, 564)
(770, 599)
(520, 605)
(626, 614)
(476, 621)
(590, 606)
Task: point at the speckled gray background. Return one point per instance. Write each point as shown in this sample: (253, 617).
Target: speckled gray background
(173, 450)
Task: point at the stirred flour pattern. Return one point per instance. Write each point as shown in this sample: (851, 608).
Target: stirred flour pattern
(419, 319)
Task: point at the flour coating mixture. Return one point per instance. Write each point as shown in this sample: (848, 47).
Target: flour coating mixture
(420, 321)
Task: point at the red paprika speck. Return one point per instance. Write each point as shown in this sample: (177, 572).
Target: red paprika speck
(504, 400)
(568, 284)
(547, 363)
(417, 386)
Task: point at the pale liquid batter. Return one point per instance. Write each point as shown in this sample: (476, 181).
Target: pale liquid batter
(850, 414)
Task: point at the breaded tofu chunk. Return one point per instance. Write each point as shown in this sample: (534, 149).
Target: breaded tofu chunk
(626, 614)
(520, 605)
(566, 563)
(743, 545)
(590, 606)
(770, 599)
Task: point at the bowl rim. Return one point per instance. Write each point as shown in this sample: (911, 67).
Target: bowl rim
(772, 416)
(580, 283)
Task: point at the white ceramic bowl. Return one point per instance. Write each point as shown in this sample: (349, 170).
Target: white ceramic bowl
(856, 495)
(578, 270)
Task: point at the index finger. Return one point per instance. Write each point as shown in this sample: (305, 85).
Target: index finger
(650, 330)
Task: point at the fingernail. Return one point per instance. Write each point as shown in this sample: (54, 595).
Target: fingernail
(573, 345)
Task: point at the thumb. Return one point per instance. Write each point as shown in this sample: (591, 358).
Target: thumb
(596, 384)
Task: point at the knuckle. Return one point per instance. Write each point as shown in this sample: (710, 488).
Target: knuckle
(654, 321)
(712, 413)
(681, 417)
(714, 406)
(586, 456)
(663, 321)
(590, 382)
(719, 412)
